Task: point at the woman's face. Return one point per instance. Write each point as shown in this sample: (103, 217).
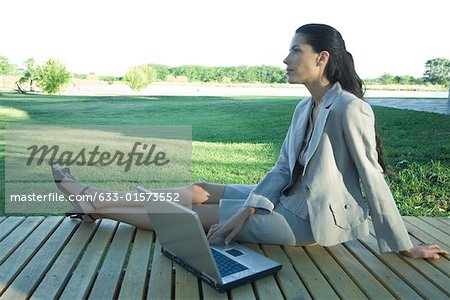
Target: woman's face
(302, 61)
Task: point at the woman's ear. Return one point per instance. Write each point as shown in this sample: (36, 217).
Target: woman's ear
(323, 58)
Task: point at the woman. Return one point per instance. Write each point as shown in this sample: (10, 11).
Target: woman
(312, 194)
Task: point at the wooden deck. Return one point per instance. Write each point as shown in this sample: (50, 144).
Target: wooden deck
(56, 257)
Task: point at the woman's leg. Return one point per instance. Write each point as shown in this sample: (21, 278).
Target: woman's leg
(197, 193)
(203, 196)
(137, 216)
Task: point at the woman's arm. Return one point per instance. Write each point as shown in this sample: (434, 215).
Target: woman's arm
(268, 191)
(359, 134)
(264, 196)
(230, 228)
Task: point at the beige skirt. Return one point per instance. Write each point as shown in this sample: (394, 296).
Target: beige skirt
(281, 226)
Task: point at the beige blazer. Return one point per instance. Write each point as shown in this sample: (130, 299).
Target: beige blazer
(340, 157)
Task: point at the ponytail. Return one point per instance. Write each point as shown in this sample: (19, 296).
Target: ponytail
(352, 83)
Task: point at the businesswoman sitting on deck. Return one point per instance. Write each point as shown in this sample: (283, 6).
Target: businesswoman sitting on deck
(312, 194)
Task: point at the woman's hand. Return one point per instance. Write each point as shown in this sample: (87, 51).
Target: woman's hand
(231, 227)
(425, 251)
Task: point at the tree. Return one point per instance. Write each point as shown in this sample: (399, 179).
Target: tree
(30, 74)
(386, 79)
(437, 71)
(161, 70)
(5, 67)
(136, 78)
(52, 76)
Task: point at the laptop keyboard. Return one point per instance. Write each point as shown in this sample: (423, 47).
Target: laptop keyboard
(226, 265)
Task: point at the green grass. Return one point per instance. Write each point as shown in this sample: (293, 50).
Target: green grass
(237, 139)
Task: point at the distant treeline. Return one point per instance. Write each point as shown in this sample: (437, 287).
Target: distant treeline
(247, 74)
(190, 73)
(53, 74)
(395, 79)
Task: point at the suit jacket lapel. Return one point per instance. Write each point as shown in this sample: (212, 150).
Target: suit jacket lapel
(322, 117)
(298, 133)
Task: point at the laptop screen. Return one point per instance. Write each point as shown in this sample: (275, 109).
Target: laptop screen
(180, 232)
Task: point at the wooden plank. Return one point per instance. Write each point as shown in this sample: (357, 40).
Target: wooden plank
(359, 274)
(438, 225)
(186, 284)
(290, 284)
(385, 275)
(14, 264)
(339, 280)
(8, 225)
(106, 285)
(408, 274)
(443, 265)
(422, 235)
(266, 287)
(35, 270)
(136, 274)
(82, 278)
(160, 283)
(436, 233)
(444, 220)
(423, 267)
(211, 293)
(432, 273)
(15, 238)
(243, 292)
(58, 275)
(314, 281)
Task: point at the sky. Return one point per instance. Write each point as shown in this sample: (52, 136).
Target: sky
(108, 36)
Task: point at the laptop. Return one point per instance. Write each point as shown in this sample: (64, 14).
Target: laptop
(183, 239)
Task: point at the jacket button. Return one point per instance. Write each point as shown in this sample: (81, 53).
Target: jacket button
(346, 206)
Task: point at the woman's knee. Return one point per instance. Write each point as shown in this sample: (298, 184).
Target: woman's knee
(211, 192)
(200, 184)
(199, 187)
(208, 186)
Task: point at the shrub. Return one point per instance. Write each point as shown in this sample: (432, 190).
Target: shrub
(141, 76)
(52, 76)
(136, 78)
(108, 79)
(150, 72)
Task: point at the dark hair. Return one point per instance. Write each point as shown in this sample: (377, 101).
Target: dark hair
(340, 67)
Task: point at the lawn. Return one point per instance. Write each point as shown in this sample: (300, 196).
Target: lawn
(237, 139)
